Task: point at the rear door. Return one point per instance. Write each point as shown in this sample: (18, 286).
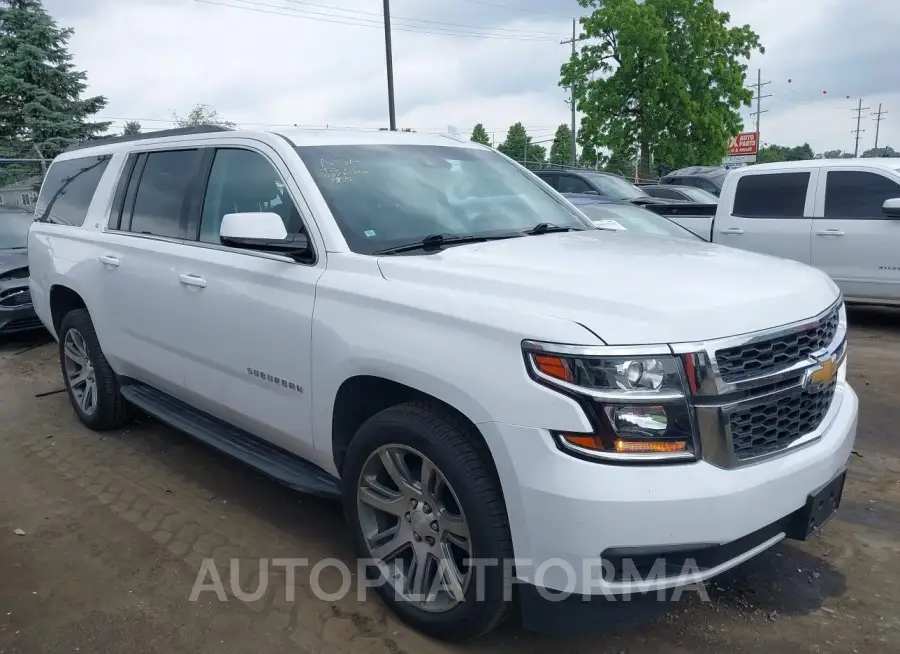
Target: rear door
(770, 212)
(145, 242)
(853, 241)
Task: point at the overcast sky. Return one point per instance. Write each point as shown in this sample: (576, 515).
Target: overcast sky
(456, 62)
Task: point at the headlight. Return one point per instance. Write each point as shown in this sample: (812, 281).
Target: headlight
(636, 403)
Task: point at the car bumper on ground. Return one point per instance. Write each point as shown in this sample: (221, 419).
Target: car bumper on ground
(573, 522)
(18, 319)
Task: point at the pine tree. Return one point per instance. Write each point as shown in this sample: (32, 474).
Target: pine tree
(480, 135)
(41, 108)
(561, 150)
(518, 146)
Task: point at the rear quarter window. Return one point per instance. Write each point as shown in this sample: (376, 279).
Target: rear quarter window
(68, 189)
(772, 195)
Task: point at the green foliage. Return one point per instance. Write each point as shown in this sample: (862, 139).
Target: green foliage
(665, 76)
(622, 162)
(886, 151)
(41, 108)
(132, 127)
(480, 135)
(201, 114)
(773, 153)
(518, 146)
(561, 150)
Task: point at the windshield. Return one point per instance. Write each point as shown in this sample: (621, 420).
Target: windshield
(699, 195)
(384, 196)
(14, 229)
(633, 219)
(615, 187)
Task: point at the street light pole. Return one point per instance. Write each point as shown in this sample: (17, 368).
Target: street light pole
(390, 64)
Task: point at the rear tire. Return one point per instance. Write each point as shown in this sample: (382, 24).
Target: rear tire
(91, 383)
(463, 496)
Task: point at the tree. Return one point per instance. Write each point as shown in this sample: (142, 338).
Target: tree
(665, 76)
(561, 150)
(132, 127)
(772, 153)
(201, 114)
(42, 111)
(480, 135)
(518, 146)
(886, 151)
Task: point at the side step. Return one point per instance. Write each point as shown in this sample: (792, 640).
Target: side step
(273, 461)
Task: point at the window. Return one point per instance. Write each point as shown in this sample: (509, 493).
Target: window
(857, 194)
(666, 194)
(244, 181)
(163, 193)
(572, 184)
(68, 190)
(776, 195)
(701, 196)
(25, 199)
(552, 180)
(386, 195)
(615, 187)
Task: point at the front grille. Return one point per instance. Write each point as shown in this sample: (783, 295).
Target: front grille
(15, 297)
(767, 428)
(768, 356)
(23, 324)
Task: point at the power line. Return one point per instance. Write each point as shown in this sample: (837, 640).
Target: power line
(879, 117)
(858, 131)
(263, 8)
(417, 20)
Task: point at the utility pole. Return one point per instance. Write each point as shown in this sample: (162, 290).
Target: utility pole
(572, 93)
(878, 120)
(390, 64)
(759, 96)
(858, 131)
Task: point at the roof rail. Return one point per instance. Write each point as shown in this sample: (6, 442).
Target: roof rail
(180, 131)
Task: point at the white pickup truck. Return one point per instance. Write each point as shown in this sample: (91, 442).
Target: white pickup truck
(841, 215)
(496, 390)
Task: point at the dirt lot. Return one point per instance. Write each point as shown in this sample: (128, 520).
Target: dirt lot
(116, 527)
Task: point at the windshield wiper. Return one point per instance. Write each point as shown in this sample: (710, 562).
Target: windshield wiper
(437, 241)
(548, 228)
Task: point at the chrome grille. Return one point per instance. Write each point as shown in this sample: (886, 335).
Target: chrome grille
(768, 428)
(773, 354)
(16, 297)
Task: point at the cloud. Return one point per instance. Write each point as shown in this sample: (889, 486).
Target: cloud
(286, 62)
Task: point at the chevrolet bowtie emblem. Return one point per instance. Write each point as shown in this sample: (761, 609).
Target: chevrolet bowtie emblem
(820, 376)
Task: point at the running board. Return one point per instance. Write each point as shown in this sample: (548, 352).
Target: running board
(272, 461)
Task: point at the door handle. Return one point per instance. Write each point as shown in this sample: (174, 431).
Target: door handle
(731, 230)
(830, 232)
(192, 280)
(109, 260)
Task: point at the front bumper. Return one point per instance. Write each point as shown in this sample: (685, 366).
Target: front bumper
(566, 514)
(17, 320)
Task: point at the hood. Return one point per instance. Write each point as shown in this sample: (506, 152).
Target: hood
(627, 288)
(12, 259)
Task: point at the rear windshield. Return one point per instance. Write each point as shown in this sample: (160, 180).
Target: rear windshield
(615, 187)
(384, 196)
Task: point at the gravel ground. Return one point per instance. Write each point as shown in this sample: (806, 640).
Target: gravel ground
(102, 538)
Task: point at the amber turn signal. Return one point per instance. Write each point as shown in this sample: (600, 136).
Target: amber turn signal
(553, 366)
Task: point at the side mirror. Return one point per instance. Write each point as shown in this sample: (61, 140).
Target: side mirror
(891, 208)
(263, 231)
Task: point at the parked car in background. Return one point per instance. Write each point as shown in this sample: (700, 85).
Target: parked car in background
(624, 216)
(708, 178)
(606, 185)
(16, 311)
(840, 215)
(679, 193)
(414, 325)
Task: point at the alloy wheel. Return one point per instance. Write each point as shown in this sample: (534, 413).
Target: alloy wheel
(415, 528)
(80, 372)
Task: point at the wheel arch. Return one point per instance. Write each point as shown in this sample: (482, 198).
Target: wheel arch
(63, 299)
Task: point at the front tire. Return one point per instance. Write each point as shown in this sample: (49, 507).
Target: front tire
(91, 383)
(422, 499)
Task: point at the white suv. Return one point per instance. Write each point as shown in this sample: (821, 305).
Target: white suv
(421, 327)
